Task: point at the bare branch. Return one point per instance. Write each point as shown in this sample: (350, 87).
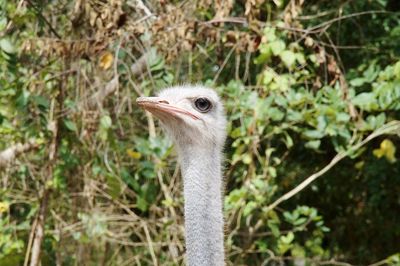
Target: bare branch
(330, 22)
(325, 25)
(39, 229)
(150, 244)
(390, 128)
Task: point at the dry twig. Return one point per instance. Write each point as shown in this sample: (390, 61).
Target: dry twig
(390, 128)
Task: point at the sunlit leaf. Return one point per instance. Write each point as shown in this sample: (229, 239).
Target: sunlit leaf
(277, 47)
(386, 149)
(246, 159)
(106, 60)
(4, 206)
(268, 76)
(288, 58)
(288, 238)
(133, 154)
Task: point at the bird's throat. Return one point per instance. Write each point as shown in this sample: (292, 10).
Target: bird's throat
(204, 226)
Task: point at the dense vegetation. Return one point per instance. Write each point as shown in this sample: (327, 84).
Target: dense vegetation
(310, 87)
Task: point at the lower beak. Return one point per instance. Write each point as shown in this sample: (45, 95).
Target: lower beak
(157, 105)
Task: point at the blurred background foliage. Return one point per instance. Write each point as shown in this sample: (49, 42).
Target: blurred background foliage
(88, 179)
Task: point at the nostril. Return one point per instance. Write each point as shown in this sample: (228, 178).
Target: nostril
(163, 101)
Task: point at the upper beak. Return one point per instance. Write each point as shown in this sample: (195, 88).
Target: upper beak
(158, 105)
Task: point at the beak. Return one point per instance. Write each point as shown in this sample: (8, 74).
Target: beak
(157, 105)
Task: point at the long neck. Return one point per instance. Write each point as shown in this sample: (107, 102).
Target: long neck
(204, 225)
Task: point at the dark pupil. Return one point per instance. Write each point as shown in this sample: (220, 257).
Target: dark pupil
(202, 104)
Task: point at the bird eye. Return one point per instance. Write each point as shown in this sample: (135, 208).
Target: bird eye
(203, 104)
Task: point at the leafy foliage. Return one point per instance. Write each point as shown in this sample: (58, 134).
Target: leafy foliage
(301, 81)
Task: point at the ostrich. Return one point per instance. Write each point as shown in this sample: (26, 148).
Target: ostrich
(193, 116)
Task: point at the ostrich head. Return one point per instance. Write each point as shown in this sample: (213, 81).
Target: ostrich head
(194, 117)
(191, 115)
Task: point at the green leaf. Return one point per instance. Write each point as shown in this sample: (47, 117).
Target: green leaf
(269, 34)
(274, 228)
(300, 58)
(141, 204)
(298, 252)
(380, 120)
(397, 70)
(272, 171)
(357, 82)
(58, 180)
(41, 101)
(23, 98)
(250, 206)
(7, 46)
(322, 123)
(288, 140)
(105, 122)
(277, 47)
(366, 101)
(394, 259)
(268, 76)
(70, 125)
(288, 216)
(3, 23)
(342, 117)
(237, 132)
(294, 116)
(262, 246)
(300, 221)
(313, 134)
(246, 158)
(275, 114)
(325, 229)
(264, 56)
(288, 58)
(314, 144)
(288, 238)
(96, 170)
(281, 101)
(113, 186)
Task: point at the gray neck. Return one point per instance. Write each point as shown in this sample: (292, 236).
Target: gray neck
(204, 225)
